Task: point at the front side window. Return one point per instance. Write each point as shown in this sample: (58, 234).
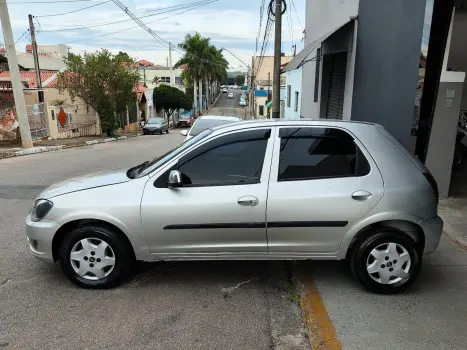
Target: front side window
(234, 159)
(315, 153)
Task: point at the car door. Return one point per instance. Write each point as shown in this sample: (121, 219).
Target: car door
(322, 182)
(221, 207)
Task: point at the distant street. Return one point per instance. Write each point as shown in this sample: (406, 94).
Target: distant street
(229, 106)
(196, 305)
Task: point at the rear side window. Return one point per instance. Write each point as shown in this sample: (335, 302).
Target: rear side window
(316, 153)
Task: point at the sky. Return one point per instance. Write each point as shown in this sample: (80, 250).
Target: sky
(230, 24)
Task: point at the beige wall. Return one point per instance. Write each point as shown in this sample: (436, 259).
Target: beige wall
(268, 66)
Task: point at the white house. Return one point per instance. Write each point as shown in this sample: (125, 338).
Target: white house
(293, 93)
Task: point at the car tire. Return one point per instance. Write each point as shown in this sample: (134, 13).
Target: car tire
(102, 244)
(387, 262)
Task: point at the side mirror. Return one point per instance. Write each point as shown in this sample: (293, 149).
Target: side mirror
(184, 132)
(175, 179)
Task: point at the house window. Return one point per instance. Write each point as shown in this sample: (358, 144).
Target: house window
(289, 95)
(261, 110)
(296, 101)
(165, 80)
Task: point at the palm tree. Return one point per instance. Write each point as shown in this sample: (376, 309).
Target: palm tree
(205, 64)
(195, 47)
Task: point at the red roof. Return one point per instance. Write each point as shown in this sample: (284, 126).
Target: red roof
(30, 77)
(184, 66)
(145, 63)
(140, 88)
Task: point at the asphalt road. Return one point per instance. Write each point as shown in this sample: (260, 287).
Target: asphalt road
(201, 305)
(229, 106)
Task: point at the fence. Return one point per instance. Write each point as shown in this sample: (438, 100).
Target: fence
(37, 117)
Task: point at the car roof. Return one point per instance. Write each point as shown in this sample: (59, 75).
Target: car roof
(220, 117)
(243, 124)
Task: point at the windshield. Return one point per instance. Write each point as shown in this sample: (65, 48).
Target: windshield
(203, 124)
(149, 166)
(155, 120)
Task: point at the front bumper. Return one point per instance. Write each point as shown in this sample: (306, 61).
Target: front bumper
(433, 229)
(40, 235)
(152, 131)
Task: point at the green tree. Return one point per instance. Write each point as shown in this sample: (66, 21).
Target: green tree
(169, 99)
(103, 81)
(239, 79)
(124, 56)
(204, 63)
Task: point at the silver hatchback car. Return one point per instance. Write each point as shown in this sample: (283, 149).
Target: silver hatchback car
(249, 190)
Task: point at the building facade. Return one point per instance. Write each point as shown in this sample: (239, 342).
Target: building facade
(397, 63)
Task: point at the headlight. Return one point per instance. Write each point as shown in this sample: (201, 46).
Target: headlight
(40, 209)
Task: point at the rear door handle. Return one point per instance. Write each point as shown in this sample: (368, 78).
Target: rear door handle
(248, 201)
(361, 195)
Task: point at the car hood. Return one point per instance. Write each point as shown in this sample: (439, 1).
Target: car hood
(84, 182)
(153, 126)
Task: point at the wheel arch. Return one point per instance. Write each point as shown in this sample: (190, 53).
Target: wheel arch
(71, 225)
(404, 223)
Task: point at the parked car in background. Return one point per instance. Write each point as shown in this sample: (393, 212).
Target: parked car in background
(155, 126)
(207, 122)
(184, 121)
(262, 190)
(224, 90)
(242, 102)
(230, 95)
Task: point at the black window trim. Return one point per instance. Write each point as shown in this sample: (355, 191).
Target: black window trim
(283, 129)
(268, 133)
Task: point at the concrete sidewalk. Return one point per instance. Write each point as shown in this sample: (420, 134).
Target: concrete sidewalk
(55, 145)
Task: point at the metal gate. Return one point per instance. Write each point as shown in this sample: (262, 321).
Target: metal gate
(37, 117)
(335, 103)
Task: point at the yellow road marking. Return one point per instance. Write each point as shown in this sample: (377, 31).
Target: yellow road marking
(321, 332)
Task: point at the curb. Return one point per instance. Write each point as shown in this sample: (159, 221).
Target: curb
(212, 106)
(42, 149)
(321, 332)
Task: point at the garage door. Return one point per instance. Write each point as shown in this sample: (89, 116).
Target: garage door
(335, 105)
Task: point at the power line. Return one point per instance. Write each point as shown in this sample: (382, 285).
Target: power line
(298, 17)
(289, 20)
(133, 27)
(77, 10)
(46, 2)
(21, 37)
(261, 15)
(160, 11)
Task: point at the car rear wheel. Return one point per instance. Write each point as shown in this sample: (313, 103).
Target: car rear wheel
(95, 257)
(386, 262)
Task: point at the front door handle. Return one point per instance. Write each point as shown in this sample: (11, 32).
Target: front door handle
(248, 201)
(361, 195)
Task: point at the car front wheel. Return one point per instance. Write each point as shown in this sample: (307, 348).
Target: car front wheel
(95, 257)
(386, 262)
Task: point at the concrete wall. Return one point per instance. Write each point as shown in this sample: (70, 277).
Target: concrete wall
(389, 36)
(294, 79)
(458, 49)
(322, 17)
(444, 129)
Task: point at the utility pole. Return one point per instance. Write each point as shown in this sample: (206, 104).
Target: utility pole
(294, 50)
(269, 84)
(170, 64)
(36, 59)
(276, 80)
(15, 77)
